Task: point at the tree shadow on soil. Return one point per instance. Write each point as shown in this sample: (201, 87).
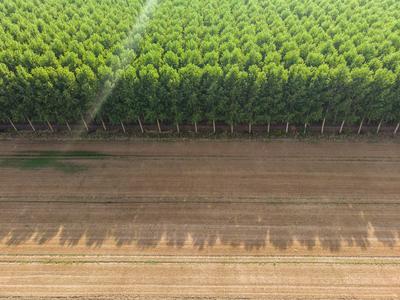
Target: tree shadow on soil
(252, 226)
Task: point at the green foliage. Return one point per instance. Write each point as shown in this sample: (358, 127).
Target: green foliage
(217, 60)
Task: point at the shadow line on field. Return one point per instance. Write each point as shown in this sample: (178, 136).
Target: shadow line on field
(252, 226)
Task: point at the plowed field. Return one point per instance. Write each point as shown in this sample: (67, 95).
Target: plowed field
(199, 220)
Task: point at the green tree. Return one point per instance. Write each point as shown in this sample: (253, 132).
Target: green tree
(189, 91)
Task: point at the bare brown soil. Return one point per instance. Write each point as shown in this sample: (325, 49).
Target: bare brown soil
(203, 220)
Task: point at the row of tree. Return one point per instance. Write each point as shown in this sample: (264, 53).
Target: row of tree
(232, 61)
(259, 96)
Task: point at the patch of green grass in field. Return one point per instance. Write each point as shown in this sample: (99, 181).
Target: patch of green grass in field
(151, 262)
(58, 160)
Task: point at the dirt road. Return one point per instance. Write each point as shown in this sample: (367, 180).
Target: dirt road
(199, 220)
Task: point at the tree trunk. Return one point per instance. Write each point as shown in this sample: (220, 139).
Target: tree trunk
(69, 127)
(195, 127)
(341, 127)
(30, 123)
(159, 126)
(85, 124)
(396, 129)
(231, 128)
(141, 126)
(123, 127)
(214, 129)
(51, 127)
(104, 125)
(287, 127)
(12, 124)
(323, 126)
(250, 128)
(360, 128)
(305, 128)
(269, 127)
(379, 127)
(177, 128)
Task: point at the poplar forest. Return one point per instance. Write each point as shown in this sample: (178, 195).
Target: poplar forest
(199, 149)
(185, 62)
